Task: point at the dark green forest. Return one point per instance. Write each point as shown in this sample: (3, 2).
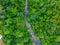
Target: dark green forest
(43, 15)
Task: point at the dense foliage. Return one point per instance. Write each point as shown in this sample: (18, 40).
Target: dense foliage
(43, 15)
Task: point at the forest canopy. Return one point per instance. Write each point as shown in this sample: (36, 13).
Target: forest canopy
(43, 15)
